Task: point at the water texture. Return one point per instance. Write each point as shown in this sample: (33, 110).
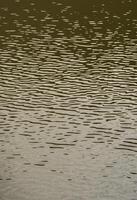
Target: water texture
(68, 100)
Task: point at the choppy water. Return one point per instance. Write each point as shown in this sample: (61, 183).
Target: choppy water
(68, 100)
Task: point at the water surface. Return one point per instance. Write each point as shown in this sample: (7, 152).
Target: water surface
(68, 100)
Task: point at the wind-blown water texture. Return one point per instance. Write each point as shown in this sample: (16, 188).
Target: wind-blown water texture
(68, 100)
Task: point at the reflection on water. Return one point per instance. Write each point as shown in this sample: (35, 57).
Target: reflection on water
(68, 91)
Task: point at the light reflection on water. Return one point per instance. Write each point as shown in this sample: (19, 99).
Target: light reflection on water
(68, 104)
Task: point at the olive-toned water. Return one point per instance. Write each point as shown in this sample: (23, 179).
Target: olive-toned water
(68, 100)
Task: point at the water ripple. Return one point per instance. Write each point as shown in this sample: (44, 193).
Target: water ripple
(68, 83)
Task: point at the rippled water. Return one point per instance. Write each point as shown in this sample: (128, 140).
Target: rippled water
(68, 100)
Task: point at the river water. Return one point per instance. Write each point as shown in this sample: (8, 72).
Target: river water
(68, 100)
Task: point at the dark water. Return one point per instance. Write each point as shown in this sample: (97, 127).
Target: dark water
(68, 100)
